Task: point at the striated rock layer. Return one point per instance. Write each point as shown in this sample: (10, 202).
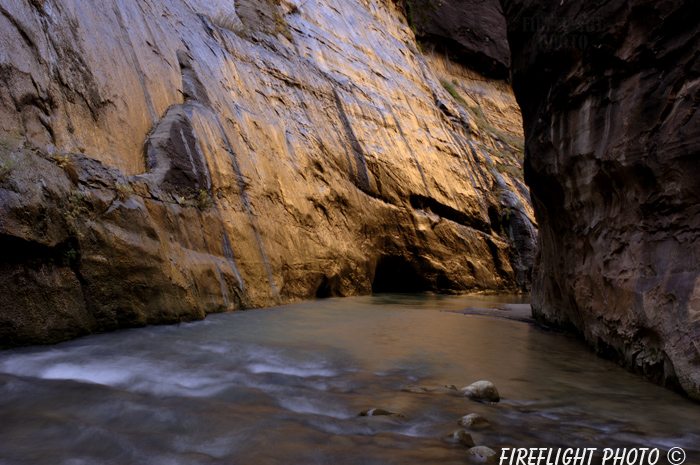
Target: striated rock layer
(162, 160)
(609, 93)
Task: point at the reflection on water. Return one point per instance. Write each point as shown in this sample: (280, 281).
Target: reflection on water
(285, 385)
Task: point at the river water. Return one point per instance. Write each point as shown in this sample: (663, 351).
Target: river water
(285, 386)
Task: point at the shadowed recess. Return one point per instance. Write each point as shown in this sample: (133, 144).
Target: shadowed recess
(396, 274)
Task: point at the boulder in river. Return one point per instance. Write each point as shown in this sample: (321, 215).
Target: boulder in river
(473, 420)
(482, 391)
(460, 437)
(481, 454)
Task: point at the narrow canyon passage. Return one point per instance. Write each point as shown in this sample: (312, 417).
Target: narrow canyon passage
(272, 232)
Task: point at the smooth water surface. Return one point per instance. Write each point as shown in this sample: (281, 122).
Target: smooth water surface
(285, 386)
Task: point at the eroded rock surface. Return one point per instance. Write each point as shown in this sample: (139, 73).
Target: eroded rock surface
(610, 93)
(171, 159)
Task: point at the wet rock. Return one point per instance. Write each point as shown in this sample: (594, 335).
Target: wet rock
(460, 437)
(473, 420)
(414, 389)
(609, 99)
(481, 454)
(378, 412)
(483, 391)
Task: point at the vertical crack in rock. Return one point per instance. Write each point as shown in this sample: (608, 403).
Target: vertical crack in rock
(176, 127)
(362, 180)
(224, 287)
(24, 33)
(134, 58)
(242, 189)
(192, 87)
(408, 146)
(228, 253)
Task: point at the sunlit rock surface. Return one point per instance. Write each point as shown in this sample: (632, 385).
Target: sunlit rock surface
(165, 160)
(610, 93)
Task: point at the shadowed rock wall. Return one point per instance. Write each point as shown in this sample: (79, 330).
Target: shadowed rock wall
(609, 93)
(165, 160)
(471, 31)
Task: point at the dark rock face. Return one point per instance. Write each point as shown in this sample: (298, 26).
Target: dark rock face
(161, 161)
(610, 93)
(473, 31)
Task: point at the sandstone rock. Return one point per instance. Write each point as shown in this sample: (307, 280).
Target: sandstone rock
(481, 454)
(460, 437)
(483, 391)
(473, 420)
(609, 100)
(378, 412)
(235, 155)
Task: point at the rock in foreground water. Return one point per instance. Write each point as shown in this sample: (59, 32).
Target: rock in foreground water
(481, 454)
(473, 420)
(377, 412)
(460, 437)
(483, 391)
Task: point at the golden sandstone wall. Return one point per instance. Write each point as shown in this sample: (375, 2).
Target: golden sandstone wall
(165, 160)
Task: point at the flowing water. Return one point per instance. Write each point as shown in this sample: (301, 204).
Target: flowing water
(285, 386)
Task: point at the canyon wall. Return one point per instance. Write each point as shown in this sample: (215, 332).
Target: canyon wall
(609, 93)
(162, 160)
(472, 31)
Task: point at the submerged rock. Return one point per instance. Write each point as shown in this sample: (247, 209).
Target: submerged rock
(459, 437)
(473, 420)
(414, 389)
(481, 454)
(483, 391)
(378, 412)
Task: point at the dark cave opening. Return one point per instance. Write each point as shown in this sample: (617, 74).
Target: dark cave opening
(398, 275)
(327, 288)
